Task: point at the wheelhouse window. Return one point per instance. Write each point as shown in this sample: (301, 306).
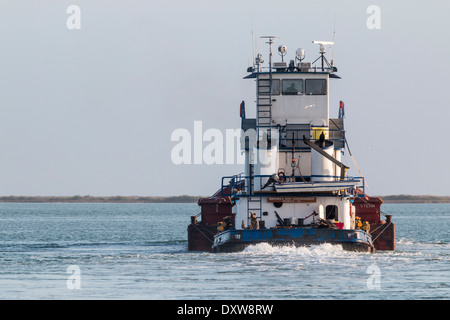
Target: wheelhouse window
(316, 86)
(263, 87)
(292, 87)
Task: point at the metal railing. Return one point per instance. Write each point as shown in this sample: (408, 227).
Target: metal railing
(244, 186)
(294, 138)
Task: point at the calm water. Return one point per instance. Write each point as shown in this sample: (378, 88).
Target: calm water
(139, 251)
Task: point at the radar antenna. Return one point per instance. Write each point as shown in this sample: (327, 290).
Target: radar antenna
(323, 46)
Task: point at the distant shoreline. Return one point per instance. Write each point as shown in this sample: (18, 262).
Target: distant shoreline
(186, 199)
(93, 199)
(415, 199)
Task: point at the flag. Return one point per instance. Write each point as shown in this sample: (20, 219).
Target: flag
(341, 109)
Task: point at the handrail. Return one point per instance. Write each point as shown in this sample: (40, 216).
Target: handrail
(238, 184)
(337, 136)
(285, 142)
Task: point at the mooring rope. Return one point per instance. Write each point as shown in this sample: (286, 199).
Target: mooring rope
(387, 225)
(377, 228)
(203, 233)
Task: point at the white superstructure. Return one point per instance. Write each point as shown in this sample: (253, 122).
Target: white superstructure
(293, 172)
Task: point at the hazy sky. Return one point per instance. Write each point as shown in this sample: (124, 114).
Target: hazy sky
(91, 111)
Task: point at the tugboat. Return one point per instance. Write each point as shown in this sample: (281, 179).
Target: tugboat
(294, 189)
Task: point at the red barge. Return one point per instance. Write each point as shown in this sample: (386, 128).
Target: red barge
(216, 209)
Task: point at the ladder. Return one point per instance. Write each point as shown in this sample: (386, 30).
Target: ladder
(254, 206)
(264, 105)
(263, 125)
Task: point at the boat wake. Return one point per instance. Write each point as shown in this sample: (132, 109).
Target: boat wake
(321, 250)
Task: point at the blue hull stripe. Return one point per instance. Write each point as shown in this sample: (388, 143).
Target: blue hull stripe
(297, 235)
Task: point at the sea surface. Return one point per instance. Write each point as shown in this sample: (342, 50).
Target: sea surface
(139, 251)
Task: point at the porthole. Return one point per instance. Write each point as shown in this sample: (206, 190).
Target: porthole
(278, 204)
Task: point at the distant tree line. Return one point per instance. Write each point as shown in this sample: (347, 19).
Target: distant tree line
(402, 198)
(405, 198)
(93, 199)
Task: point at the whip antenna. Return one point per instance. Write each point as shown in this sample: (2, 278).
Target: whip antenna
(334, 41)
